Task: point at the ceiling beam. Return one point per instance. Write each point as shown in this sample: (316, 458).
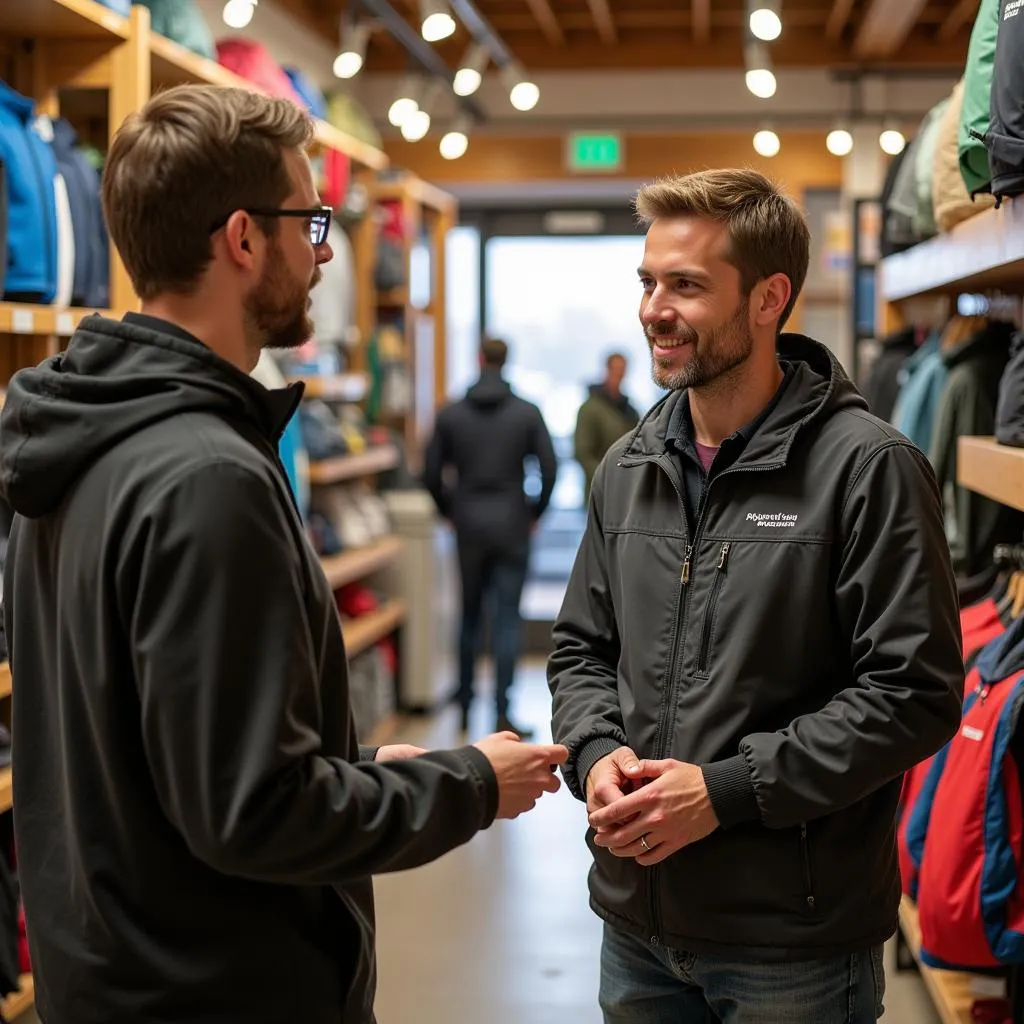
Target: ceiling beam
(701, 20)
(961, 15)
(886, 26)
(602, 15)
(837, 19)
(548, 22)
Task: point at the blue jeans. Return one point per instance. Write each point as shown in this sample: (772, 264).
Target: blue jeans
(645, 984)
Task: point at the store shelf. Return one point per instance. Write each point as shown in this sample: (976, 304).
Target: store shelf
(343, 387)
(950, 990)
(995, 470)
(984, 252)
(24, 318)
(6, 683)
(62, 19)
(356, 565)
(21, 1001)
(6, 790)
(334, 138)
(419, 191)
(367, 630)
(351, 467)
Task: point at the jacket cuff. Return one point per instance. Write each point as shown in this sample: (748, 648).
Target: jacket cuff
(589, 754)
(482, 767)
(731, 790)
(368, 753)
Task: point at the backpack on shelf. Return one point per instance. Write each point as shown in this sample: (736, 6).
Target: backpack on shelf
(252, 61)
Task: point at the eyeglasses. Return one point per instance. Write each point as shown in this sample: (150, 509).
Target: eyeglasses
(319, 218)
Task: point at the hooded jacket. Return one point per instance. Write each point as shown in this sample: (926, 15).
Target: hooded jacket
(601, 421)
(486, 439)
(195, 829)
(799, 641)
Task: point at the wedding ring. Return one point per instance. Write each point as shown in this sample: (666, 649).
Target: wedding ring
(643, 843)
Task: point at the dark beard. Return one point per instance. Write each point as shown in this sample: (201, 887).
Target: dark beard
(277, 310)
(713, 357)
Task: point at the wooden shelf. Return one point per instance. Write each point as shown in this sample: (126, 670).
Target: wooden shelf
(950, 990)
(412, 187)
(18, 1002)
(351, 467)
(393, 298)
(356, 565)
(62, 19)
(995, 470)
(24, 318)
(344, 387)
(984, 252)
(6, 790)
(334, 138)
(367, 630)
(6, 683)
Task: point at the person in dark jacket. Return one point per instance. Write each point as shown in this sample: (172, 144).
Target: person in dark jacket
(485, 441)
(196, 825)
(603, 418)
(759, 636)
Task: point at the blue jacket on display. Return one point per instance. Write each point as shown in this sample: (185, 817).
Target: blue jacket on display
(31, 202)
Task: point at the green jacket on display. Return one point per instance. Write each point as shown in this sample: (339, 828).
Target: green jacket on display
(976, 112)
(601, 421)
(800, 642)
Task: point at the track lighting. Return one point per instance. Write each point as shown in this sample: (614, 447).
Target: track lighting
(436, 21)
(839, 142)
(238, 13)
(354, 39)
(760, 76)
(471, 70)
(522, 93)
(764, 19)
(766, 143)
(406, 102)
(455, 141)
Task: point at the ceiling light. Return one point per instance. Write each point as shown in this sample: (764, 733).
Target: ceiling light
(892, 141)
(764, 19)
(839, 142)
(406, 102)
(471, 70)
(350, 60)
(456, 140)
(522, 93)
(416, 126)
(238, 13)
(436, 21)
(766, 143)
(760, 77)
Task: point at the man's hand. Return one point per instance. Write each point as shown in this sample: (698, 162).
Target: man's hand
(660, 818)
(398, 752)
(612, 778)
(524, 771)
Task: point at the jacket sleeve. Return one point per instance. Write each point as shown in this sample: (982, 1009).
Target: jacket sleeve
(433, 469)
(227, 666)
(587, 445)
(583, 668)
(897, 606)
(545, 451)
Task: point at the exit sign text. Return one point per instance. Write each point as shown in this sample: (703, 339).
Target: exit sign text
(595, 153)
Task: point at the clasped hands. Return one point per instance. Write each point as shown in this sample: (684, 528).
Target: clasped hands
(647, 810)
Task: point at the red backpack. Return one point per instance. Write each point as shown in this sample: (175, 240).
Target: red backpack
(252, 61)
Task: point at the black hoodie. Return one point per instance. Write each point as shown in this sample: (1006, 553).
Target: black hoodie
(486, 439)
(195, 832)
(799, 641)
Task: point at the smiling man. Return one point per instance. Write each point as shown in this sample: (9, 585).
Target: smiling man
(759, 636)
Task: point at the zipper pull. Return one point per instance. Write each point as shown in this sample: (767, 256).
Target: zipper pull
(686, 566)
(724, 557)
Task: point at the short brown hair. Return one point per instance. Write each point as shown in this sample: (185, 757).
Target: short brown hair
(768, 234)
(494, 352)
(190, 157)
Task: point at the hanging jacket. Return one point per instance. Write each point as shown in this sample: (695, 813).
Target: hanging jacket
(1010, 406)
(902, 205)
(799, 642)
(924, 212)
(949, 197)
(199, 831)
(976, 110)
(889, 243)
(1005, 136)
(92, 264)
(601, 421)
(32, 202)
(3, 223)
(883, 385)
(975, 524)
(182, 21)
(922, 380)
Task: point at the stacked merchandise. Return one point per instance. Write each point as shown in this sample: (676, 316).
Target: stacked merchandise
(181, 21)
(57, 249)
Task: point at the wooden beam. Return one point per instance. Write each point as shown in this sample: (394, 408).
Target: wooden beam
(962, 14)
(548, 22)
(602, 15)
(886, 27)
(701, 20)
(837, 19)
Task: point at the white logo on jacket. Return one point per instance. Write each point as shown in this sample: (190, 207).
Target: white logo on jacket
(773, 520)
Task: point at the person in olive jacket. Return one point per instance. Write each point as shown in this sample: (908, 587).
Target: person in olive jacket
(759, 636)
(603, 418)
(197, 826)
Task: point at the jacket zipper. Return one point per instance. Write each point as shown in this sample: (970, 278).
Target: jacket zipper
(805, 859)
(709, 613)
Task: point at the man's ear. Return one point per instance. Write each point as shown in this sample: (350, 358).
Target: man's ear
(240, 240)
(771, 296)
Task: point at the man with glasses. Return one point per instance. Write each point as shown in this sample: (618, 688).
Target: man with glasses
(197, 827)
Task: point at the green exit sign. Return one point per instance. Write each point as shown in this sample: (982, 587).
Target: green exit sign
(595, 153)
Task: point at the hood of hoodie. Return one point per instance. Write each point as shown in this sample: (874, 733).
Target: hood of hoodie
(20, 106)
(818, 387)
(490, 390)
(1003, 656)
(65, 138)
(115, 379)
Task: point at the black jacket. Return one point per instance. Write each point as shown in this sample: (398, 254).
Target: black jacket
(486, 439)
(810, 657)
(1005, 136)
(195, 835)
(882, 387)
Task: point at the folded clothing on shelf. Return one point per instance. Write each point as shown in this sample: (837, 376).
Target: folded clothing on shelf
(181, 21)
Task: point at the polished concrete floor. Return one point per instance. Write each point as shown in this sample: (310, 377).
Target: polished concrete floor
(499, 931)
